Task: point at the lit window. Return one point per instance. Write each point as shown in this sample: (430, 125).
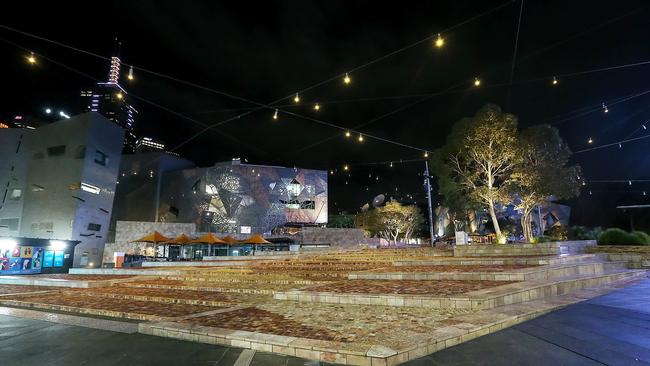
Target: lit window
(90, 188)
(101, 158)
(37, 188)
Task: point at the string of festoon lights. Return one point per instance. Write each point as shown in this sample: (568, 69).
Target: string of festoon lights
(31, 59)
(438, 42)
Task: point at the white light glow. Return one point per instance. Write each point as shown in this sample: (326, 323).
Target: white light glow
(7, 244)
(90, 188)
(57, 245)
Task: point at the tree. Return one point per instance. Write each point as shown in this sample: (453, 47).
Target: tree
(391, 221)
(541, 172)
(476, 161)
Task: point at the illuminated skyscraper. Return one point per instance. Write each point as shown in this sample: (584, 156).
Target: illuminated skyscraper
(113, 102)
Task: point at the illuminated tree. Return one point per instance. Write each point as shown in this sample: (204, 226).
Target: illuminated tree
(391, 221)
(541, 172)
(477, 159)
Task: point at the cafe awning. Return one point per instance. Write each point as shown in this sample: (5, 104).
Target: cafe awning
(230, 240)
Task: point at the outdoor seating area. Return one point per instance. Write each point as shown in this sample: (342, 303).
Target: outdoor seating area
(185, 248)
(353, 307)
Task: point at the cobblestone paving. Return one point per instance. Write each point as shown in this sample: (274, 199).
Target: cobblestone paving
(207, 284)
(74, 277)
(164, 293)
(259, 320)
(453, 268)
(368, 324)
(405, 287)
(15, 289)
(74, 299)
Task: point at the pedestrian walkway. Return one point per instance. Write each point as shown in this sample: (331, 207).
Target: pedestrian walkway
(27, 342)
(613, 329)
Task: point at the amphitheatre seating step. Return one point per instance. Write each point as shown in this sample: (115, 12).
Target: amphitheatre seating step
(487, 298)
(523, 274)
(524, 260)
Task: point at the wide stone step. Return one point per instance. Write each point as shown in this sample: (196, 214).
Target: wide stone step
(525, 260)
(524, 274)
(482, 299)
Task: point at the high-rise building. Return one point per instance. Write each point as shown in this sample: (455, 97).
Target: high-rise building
(146, 144)
(112, 101)
(58, 182)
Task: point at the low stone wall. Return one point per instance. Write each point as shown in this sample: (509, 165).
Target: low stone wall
(127, 231)
(552, 248)
(337, 238)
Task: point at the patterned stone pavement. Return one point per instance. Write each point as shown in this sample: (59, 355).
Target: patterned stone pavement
(16, 289)
(107, 306)
(406, 287)
(452, 268)
(79, 277)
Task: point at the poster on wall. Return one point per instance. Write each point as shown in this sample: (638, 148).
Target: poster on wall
(58, 258)
(48, 258)
(21, 260)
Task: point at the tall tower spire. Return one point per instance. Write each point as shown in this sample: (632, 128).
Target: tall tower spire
(114, 71)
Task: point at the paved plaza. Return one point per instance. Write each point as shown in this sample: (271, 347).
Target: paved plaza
(613, 329)
(370, 307)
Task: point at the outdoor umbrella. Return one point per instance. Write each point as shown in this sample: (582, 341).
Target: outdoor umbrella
(209, 239)
(154, 238)
(256, 239)
(230, 240)
(179, 240)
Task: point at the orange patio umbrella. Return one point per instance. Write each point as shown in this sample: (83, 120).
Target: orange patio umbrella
(209, 238)
(256, 239)
(154, 237)
(181, 239)
(230, 240)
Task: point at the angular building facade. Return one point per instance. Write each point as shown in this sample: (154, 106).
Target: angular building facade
(243, 198)
(62, 180)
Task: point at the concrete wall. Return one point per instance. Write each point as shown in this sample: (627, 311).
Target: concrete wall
(337, 238)
(13, 172)
(127, 231)
(551, 248)
(55, 205)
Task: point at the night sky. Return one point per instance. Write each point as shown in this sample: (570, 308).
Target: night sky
(263, 51)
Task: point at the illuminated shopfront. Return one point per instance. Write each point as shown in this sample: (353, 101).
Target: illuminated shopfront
(20, 256)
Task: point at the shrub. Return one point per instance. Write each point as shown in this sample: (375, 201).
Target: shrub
(557, 233)
(642, 236)
(618, 237)
(584, 233)
(543, 239)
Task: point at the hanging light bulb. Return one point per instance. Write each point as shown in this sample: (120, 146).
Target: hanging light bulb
(440, 41)
(644, 193)
(275, 114)
(347, 133)
(31, 58)
(391, 164)
(296, 98)
(644, 127)
(426, 154)
(590, 193)
(477, 82)
(605, 109)
(629, 182)
(346, 167)
(360, 138)
(120, 95)
(316, 107)
(584, 183)
(130, 75)
(590, 141)
(555, 81)
(331, 172)
(620, 146)
(346, 79)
